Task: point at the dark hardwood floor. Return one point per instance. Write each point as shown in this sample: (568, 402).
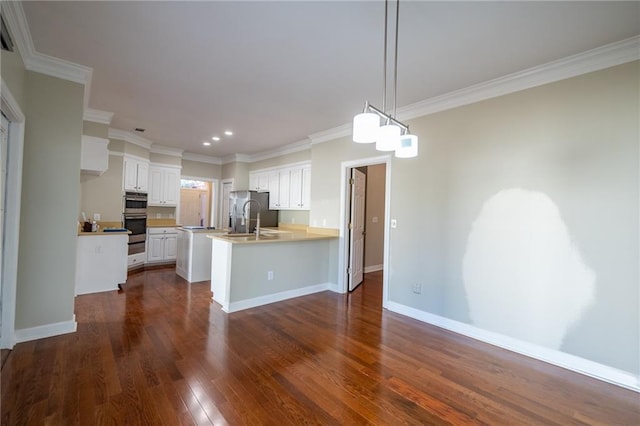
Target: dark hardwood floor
(160, 352)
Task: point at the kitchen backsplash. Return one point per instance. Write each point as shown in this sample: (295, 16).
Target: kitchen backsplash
(161, 212)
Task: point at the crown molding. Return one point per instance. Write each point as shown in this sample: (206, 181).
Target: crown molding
(130, 137)
(606, 56)
(236, 158)
(166, 150)
(331, 134)
(201, 158)
(38, 62)
(302, 145)
(97, 116)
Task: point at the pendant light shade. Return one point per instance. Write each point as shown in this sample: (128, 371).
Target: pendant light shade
(365, 127)
(388, 138)
(408, 147)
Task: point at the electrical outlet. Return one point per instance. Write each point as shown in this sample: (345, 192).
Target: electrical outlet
(97, 216)
(270, 275)
(417, 288)
(374, 219)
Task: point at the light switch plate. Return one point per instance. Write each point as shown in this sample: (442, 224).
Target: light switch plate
(393, 223)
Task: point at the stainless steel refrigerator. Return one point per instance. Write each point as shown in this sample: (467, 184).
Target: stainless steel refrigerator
(259, 202)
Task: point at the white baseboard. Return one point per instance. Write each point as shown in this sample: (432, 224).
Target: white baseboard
(334, 287)
(277, 297)
(47, 330)
(552, 356)
(373, 268)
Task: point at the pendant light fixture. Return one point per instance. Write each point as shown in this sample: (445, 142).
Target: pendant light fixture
(392, 135)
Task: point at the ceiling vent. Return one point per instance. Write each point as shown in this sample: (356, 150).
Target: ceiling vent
(5, 37)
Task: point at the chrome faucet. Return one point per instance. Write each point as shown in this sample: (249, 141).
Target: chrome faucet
(244, 213)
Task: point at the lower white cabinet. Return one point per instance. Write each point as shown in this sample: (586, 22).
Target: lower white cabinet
(101, 262)
(162, 244)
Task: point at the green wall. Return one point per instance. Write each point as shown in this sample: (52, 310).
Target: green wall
(50, 199)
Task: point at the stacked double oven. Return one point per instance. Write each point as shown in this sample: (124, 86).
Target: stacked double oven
(135, 220)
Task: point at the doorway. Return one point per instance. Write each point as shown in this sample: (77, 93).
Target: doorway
(198, 202)
(363, 251)
(12, 183)
(227, 187)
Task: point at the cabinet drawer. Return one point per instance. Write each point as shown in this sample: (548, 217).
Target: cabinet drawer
(136, 259)
(169, 230)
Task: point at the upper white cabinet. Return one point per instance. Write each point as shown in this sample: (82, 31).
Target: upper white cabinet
(289, 187)
(259, 181)
(164, 186)
(136, 175)
(94, 155)
(300, 198)
(279, 185)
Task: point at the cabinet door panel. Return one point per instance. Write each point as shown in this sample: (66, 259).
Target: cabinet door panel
(305, 199)
(284, 187)
(171, 187)
(130, 175)
(295, 200)
(171, 247)
(155, 248)
(155, 186)
(274, 191)
(143, 177)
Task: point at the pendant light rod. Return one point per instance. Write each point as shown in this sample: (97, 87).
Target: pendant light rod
(395, 61)
(384, 68)
(389, 119)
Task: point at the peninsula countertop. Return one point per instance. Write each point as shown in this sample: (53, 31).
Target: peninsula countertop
(270, 236)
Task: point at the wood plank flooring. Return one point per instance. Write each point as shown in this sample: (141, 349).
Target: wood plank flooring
(161, 353)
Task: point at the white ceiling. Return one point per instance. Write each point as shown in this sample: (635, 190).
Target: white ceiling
(276, 72)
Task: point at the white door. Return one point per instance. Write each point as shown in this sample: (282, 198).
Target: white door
(356, 228)
(227, 187)
(4, 141)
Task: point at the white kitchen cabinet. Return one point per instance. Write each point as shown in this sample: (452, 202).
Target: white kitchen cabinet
(94, 155)
(164, 186)
(194, 254)
(300, 191)
(279, 189)
(162, 244)
(289, 186)
(259, 181)
(101, 262)
(136, 175)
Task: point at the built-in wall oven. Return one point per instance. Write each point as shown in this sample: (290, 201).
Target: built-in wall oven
(135, 220)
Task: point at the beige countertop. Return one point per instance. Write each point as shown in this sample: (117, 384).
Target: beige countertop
(101, 232)
(271, 237)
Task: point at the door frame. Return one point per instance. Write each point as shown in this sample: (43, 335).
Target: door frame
(16, 117)
(213, 220)
(345, 199)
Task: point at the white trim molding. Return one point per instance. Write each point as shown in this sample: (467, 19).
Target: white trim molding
(47, 330)
(38, 62)
(592, 60)
(551, 356)
(166, 150)
(201, 158)
(97, 116)
(9, 278)
(130, 137)
(236, 158)
(277, 297)
(373, 268)
(302, 145)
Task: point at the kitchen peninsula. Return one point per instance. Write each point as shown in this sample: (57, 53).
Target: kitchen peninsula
(249, 271)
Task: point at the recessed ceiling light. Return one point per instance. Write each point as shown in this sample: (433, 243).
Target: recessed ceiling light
(215, 138)
(206, 143)
(228, 132)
